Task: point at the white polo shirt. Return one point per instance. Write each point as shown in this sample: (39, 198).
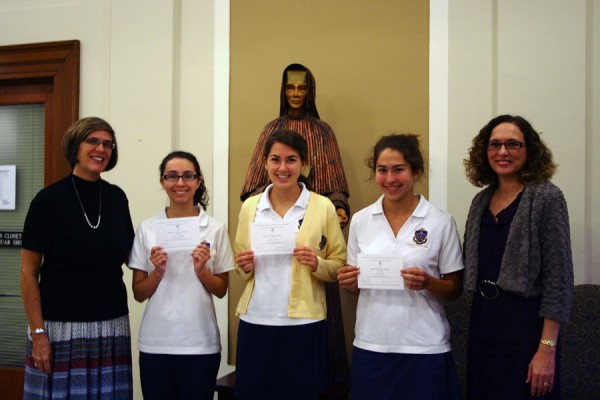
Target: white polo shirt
(405, 321)
(180, 316)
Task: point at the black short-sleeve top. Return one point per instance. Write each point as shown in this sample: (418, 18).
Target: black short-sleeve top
(81, 276)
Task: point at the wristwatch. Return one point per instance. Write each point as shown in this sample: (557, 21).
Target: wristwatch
(37, 331)
(548, 342)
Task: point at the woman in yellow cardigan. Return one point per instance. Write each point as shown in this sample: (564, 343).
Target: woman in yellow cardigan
(282, 337)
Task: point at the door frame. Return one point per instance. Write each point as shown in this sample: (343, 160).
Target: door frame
(45, 73)
(56, 63)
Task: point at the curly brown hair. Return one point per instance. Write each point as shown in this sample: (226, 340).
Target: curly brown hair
(538, 166)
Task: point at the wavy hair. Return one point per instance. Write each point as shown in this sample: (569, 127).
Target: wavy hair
(539, 164)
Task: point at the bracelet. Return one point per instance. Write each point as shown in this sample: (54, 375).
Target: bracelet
(548, 342)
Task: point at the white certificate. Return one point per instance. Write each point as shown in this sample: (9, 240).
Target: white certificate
(177, 233)
(380, 272)
(273, 238)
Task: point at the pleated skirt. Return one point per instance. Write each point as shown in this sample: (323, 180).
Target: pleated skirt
(90, 360)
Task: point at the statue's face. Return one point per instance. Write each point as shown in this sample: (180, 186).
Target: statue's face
(296, 89)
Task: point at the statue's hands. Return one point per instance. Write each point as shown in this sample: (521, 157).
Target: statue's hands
(342, 217)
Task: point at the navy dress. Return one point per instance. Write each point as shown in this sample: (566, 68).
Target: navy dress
(504, 333)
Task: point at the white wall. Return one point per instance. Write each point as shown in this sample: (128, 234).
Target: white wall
(158, 72)
(534, 58)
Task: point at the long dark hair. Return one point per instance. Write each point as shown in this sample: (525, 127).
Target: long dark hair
(291, 139)
(201, 194)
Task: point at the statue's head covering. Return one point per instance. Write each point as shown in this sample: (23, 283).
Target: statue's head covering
(310, 106)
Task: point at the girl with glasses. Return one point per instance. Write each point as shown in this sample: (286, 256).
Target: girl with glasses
(179, 340)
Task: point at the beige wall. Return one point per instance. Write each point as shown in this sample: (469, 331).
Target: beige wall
(370, 61)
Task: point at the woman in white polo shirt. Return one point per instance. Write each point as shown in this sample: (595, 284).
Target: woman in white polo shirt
(401, 346)
(179, 341)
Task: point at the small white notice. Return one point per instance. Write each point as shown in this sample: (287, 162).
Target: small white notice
(8, 187)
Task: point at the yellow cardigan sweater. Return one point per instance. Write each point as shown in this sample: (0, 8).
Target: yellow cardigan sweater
(320, 229)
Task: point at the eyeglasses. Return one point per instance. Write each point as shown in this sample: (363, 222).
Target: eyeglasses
(107, 144)
(187, 177)
(496, 145)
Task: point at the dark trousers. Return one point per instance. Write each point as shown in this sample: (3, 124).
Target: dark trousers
(178, 377)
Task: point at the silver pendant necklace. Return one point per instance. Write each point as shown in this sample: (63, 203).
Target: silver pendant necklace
(82, 209)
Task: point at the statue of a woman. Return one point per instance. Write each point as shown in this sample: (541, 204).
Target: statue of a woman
(298, 112)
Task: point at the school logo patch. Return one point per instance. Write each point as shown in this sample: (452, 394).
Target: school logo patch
(420, 237)
(322, 243)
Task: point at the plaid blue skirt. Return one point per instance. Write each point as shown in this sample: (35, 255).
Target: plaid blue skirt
(90, 360)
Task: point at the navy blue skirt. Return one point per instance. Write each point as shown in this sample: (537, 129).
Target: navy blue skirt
(504, 335)
(392, 376)
(281, 362)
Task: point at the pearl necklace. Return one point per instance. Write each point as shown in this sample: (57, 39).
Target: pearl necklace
(82, 209)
